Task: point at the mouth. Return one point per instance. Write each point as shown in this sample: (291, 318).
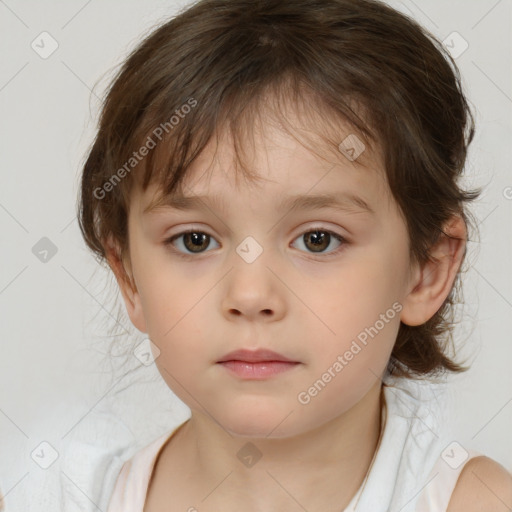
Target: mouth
(255, 356)
(256, 365)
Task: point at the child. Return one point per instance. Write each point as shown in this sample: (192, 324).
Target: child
(275, 186)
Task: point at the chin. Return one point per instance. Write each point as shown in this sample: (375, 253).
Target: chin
(261, 422)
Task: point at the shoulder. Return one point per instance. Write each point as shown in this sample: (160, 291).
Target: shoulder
(483, 484)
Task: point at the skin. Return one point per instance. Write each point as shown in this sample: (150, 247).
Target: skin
(483, 485)
(307, 306)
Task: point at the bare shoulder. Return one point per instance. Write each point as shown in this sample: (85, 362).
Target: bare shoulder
(483, 485)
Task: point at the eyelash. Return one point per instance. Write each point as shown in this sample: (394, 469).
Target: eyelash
(343, 242)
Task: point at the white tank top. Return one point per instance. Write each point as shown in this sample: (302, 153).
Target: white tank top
(415, 468)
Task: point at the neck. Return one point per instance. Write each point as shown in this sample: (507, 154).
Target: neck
(315, 469)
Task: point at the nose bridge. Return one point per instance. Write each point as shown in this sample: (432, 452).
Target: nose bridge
(250, 250)
(253, 288)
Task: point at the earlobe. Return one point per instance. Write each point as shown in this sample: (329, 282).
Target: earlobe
(432, 283)
(124, 278)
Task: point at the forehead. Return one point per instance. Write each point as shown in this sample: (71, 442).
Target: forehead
(300, 153)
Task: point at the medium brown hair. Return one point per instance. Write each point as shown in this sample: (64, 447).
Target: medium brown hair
(220, 63)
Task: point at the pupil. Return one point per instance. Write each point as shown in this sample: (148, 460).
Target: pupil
(319, 239)
(197, 241)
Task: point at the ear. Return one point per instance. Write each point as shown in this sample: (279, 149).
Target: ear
(431, 284)
(122, 270)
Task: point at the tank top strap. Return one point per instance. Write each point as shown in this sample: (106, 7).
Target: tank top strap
(130, 490)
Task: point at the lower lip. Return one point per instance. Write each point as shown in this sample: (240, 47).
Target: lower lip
(257, 371)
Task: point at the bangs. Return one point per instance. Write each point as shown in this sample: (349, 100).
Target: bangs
(288, 104)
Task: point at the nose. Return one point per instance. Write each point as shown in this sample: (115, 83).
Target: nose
(254, 292)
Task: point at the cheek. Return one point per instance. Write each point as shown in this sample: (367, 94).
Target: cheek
(171, 309)
(358, 292)
(176, 308)
(165, 294)
(347, 362)
(360, 309)
(172, 314)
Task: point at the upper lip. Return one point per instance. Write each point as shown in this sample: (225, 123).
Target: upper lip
(254, 356)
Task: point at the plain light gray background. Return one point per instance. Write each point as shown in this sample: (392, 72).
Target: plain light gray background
(54, 375)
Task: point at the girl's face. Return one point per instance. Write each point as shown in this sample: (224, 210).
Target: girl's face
(270, 266)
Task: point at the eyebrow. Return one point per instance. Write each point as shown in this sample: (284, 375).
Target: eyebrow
(344, 201)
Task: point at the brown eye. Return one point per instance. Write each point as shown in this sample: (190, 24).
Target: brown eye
(316, 241)
(196, 242)
(192, 242)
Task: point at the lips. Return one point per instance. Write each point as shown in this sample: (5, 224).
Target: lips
(255, 356)
(256, 365)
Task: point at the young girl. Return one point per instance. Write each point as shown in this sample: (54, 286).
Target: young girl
(275, 186)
